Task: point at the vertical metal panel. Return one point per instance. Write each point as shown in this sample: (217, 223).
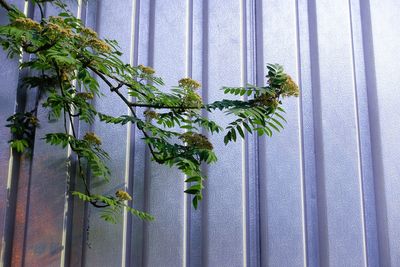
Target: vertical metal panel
(8, 193)
(322, 192)
(45, 245)
(165, 185)
(385, 131)
(337, 147)
(140, 157)
(305, 25)
(223, 206)
(371, 233)
(195, 217)
(281, 177)
(253, 24)
(76, 240)
(8, 99)
(101, 234)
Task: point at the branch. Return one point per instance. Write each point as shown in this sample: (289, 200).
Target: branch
(5, 5)
(120, 82)
(133, 104)
(41, 10)
(38, 49)
(128, 103)
(160, 161)
(70, 115)
(94, 204)
(156, 106)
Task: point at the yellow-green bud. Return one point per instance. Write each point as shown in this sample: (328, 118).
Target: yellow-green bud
(150, 114)
(85, 95)
(290, 88)
(192, 99)
(196, 140)
(34, 120)
(123, 195)
(26, 23)
(146, 70)
(99, 45)
(189, 83)
(266, 100)
(89, 32)
(92, 138)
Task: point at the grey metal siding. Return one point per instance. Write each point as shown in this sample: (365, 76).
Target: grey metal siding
(323, 192)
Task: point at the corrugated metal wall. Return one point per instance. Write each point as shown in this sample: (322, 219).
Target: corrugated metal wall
(324, 192)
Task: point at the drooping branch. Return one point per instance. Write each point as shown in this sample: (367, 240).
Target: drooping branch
(76, 53)
(130, 106)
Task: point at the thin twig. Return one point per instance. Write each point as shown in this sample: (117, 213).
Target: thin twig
(70, 115)
(134, 104)
(139, 127)
(38, 49)
(5, 5)
(158, 106)
(128, 103)
(131, 105)
(41, 10)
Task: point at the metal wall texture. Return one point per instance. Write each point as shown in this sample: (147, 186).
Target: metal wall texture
(324, 192)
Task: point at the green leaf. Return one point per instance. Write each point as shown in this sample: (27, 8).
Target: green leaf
(247, 127)
(280, 116)
(240, 131)
(233, 135)
(277, 122)
(195, 202)
(194, 189)
(267, 131)
(19, 145)
(273, 126)
(227, 138)
(193, 179)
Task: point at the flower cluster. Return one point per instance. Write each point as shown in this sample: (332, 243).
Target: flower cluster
(26, 23)
(92, 138)
(85, 95)
(192, 99)
(289, 87)
(150, 114)
(99, 45)
(189, 83)
(267, 100)
(146, 70)
(123, 195)
(90, 38)
(57, 20)
(196, 140)
(33, 120)
(54, 31)
(88, 32)
(64, 75)
(57, 27)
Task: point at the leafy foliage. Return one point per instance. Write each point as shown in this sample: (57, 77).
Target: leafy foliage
(114, 206)
(70, 59)
(22, 126)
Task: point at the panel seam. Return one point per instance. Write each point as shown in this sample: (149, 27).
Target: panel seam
(357, 123)
(301, 141)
